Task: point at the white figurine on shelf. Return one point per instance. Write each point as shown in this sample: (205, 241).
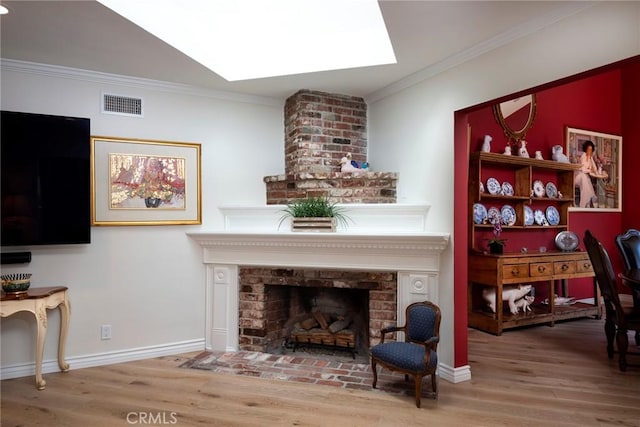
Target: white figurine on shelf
(507, 150)
(524, 303)
(522, 151)
(345, 164)
(539, 155)
(511, 294)
(486, 145)
(558, 155)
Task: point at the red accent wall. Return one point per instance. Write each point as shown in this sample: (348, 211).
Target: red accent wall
(605, 100)
(631, 145)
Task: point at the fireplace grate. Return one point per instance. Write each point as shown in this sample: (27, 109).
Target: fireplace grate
(335, 342)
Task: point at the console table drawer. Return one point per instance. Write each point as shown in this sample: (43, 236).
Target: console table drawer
(541, 269)
(564, 267)
(515, 271)
(584, 266)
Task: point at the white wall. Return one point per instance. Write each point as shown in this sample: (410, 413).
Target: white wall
(147, 282)
(412, 131)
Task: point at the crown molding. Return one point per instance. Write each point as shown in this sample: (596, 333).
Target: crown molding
(57, 71)
(502, 39)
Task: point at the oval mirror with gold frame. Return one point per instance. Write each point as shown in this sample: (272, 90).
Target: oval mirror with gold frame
(515, 116)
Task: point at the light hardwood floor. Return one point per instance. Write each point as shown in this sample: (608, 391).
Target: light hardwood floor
(538, 376)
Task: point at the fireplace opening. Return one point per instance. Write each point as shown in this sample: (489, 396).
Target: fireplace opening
(327, 318)
(296, 310)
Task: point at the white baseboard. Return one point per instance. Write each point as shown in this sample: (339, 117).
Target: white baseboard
(454, 375)
(87, 361)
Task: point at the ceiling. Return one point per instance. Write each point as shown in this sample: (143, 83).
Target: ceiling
(427, 37)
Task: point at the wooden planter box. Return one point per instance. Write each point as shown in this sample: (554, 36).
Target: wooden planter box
(313, 224)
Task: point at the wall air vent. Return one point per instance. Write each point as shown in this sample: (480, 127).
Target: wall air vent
(121, 105)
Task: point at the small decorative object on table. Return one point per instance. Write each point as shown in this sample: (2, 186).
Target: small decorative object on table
(16, 284)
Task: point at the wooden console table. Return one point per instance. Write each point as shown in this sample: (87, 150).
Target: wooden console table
(37, 301)
(496, 271)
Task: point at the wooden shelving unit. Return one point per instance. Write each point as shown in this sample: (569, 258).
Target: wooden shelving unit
(539, 269)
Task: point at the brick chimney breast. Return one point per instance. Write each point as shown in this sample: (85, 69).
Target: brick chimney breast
(320, 129)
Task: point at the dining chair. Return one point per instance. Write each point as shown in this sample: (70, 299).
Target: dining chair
(629, 246)
(618, 319)
(415, 356)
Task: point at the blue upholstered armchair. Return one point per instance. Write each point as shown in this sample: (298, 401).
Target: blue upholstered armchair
(417, 354)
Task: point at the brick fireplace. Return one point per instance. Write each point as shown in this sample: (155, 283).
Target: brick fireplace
(272, 301)
(255, 270)
(251, 239)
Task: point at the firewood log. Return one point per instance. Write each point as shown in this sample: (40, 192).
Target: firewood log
(309, 323)
(339, 325)
(321, 318)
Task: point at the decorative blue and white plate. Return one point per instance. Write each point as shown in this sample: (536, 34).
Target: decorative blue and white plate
(538, 188)
(528, 216)
(479, 213)
(553, 216)
(551, 190)
(508, 215)
(507, 189)
(493, 215)
(539, 218)
(493, 186)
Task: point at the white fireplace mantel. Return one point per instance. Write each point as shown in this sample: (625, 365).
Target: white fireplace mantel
(251, 238)
(410, 252)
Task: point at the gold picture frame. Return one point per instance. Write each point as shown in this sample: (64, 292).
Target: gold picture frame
(145, 182)
(607, 184)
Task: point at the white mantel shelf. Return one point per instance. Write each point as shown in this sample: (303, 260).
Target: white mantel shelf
(398, 251)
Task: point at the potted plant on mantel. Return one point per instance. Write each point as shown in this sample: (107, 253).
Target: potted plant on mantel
(314, 214)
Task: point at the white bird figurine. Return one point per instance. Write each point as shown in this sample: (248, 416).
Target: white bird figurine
(486, 145)
(522, 152)
(345, 164)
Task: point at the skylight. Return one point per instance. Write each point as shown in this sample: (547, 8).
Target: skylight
(250, 39)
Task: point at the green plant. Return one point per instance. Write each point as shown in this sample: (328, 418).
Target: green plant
(314, 207)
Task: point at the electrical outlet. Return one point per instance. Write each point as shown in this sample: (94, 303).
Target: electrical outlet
(105, 332)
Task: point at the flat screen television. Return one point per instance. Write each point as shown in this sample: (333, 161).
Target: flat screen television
(45, 187)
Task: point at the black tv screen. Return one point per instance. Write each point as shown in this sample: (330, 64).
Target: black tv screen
(46, 189)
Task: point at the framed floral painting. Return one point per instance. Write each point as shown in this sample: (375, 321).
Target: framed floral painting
(598, 181)
(144, 182)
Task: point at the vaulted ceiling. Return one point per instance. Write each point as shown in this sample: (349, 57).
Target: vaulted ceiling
(427, 36)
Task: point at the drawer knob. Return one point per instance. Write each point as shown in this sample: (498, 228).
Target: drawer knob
(587, 265)
(515, 272)
(541, 268)
(564, 267)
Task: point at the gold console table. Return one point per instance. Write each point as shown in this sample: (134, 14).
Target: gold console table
(37, 301)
